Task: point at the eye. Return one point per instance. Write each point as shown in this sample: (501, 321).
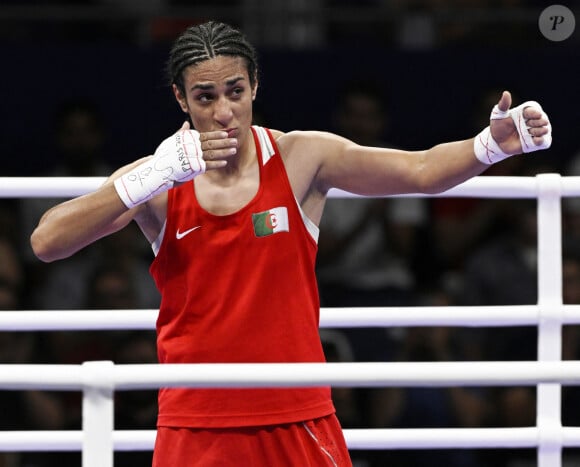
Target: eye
(204, 97)
(237, 92)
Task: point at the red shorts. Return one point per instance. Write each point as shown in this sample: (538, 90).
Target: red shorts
(315, 443)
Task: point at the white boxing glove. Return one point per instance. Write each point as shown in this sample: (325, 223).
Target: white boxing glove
(488, 151)
(178, 158)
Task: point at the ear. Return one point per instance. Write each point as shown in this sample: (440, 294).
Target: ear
(255, 91)
(181, 99)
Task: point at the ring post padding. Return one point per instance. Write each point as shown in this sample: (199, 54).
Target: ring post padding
(98, 414)
(549, 395)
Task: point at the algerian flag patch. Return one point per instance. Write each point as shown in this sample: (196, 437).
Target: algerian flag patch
(270, 222)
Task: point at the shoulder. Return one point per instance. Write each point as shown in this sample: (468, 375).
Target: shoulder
(304, 153)
(306, 142)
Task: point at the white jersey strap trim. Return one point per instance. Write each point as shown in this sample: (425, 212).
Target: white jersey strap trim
(265, 144)
(268, 150)
(157, 242)
(311, 227)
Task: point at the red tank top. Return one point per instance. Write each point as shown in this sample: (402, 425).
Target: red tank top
(239, 288)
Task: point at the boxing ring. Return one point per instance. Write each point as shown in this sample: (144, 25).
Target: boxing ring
(99, 380)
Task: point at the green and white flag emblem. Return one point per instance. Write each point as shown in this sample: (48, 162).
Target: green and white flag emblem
(270, 222)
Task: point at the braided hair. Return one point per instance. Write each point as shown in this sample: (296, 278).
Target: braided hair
(205, 41)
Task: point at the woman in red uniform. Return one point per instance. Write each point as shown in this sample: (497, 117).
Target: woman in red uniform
(232, 213)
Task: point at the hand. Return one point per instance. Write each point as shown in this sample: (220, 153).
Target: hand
(178, 159)
(217, 148)
(510, 138)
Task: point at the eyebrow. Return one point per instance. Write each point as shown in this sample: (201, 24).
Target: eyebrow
(209, 86)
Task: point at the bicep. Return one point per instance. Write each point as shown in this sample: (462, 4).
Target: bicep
(330, 161)
(368, 170)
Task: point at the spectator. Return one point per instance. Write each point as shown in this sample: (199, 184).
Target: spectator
(460, 225)
(21, 409)
(135, 410)
(79, 137)
(368, 247)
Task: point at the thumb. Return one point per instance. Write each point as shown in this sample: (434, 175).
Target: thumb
(185, 125)
(505, 101)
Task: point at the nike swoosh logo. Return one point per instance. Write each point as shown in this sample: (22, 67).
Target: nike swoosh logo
(179, 235)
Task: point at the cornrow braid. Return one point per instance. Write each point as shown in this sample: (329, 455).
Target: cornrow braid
(205, 41)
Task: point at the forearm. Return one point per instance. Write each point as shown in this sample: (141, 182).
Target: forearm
(383, 171)
(74, 224)
(449, 164)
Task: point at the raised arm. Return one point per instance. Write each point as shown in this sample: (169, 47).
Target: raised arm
(377, 171)
(70, 226)
(134, 192)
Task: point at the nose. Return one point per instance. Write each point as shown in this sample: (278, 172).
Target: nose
(223, 111)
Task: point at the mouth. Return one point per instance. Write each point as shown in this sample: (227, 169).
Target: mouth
(232, 132)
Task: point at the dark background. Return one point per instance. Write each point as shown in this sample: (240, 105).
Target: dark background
(431, 91)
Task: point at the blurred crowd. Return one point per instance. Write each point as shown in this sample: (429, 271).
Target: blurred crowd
(302, 24)
(372, 252)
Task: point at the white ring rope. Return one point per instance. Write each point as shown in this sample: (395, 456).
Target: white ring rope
(128, 377)
(99, 380)
(408, 438)
(477, 187)
(346, 317)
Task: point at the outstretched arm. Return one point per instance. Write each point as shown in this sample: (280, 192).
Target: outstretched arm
(376, 171)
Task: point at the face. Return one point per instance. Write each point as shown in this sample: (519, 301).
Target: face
(80, 137)
(218, 96)
(362, 120)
